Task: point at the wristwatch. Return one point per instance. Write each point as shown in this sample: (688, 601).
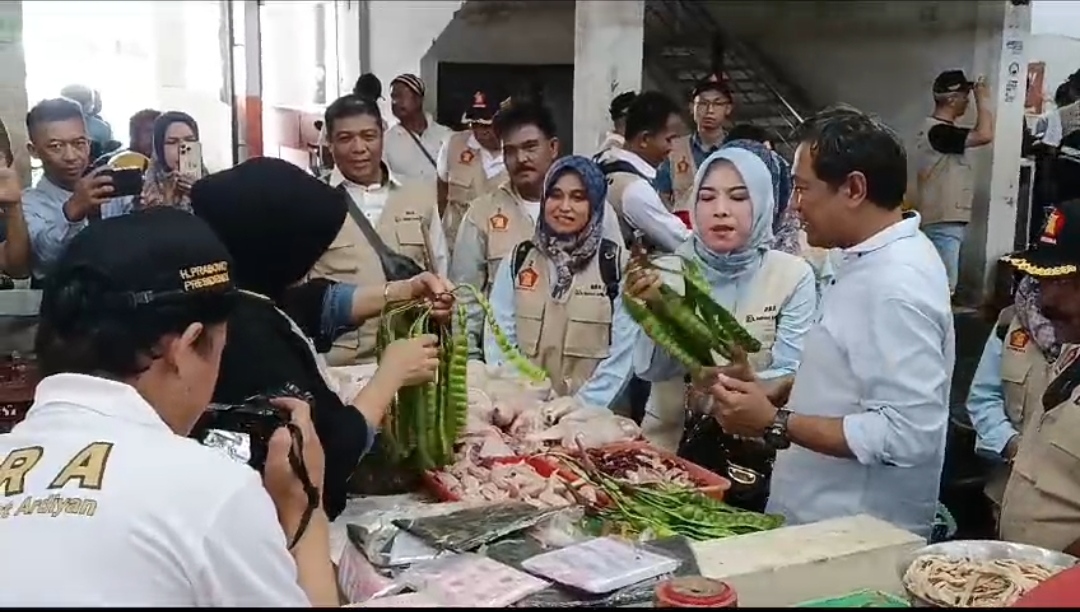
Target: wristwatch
(776, 435)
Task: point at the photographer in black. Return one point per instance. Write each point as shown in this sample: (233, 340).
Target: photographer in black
(277, 221)
(107, 500)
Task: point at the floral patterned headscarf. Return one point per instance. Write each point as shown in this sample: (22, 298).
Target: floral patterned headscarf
(572, 252)
(1031, 318)
(159, 181)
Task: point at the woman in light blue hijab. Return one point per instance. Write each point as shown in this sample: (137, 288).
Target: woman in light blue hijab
(772, 293)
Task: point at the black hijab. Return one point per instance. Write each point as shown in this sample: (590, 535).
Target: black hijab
(275, 219)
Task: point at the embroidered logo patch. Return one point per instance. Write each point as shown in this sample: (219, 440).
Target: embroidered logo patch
(1053, 227)
(466, 157)
(683, 166)
(1018, 339)
(498, 222)
(527, 278)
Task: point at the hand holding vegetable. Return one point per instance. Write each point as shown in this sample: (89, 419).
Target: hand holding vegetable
(428, 287)
(742, 407)
(414, 361)
(643, 283)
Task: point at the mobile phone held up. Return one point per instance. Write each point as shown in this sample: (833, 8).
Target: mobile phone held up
(125, 181)
(190, 159)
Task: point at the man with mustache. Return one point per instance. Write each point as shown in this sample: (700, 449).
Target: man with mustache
(1041, 505)
(863, 430)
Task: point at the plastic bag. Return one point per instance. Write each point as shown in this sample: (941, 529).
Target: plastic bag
(471, 528)
(471, 580)
(374, 533)
(600, 565)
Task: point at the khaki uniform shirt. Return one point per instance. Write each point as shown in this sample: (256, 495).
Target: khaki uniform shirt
(1041, 506)
(404, 224)
(1024, 377)
(466, 179)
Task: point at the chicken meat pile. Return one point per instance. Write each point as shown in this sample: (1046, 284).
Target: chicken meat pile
(510, 416)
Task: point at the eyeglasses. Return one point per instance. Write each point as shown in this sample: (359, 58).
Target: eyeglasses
(704, 105)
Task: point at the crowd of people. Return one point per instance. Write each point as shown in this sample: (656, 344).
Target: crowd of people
(221, 287)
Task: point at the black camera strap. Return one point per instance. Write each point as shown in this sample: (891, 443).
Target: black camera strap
(296, 461)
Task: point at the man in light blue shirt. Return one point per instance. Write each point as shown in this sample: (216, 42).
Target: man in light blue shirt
(64, 200)
(864, 428)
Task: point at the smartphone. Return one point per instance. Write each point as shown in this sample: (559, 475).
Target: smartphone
(191, 159)
(125, 182)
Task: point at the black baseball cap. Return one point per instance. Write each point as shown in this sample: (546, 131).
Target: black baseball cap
(710, 83)
(481, 109)
(1057, 253)
(952, 81)
(160, 254)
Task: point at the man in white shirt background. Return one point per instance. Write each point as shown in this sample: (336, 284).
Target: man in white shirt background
(652, 121)
(865, 426)
(412, 145)
(106, 500)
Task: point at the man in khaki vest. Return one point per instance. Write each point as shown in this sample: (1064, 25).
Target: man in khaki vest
(710, 105)
(945, 178)
(498, 220)
(1041, 505)
(1005, 395)
(403, 216)
(470, 164)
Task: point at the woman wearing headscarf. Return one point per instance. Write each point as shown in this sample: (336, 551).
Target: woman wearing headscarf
(164, 184)
(276, 221)
(556, 297)
(771, 293)
(1010, 380)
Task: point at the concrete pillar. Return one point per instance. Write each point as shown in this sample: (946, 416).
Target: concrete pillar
(170, 45)
(351, 43)
(608, 47)
(13, 103)
(1001, 56)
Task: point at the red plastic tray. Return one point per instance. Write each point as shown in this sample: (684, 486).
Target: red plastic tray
(709, 483)
(542, 466)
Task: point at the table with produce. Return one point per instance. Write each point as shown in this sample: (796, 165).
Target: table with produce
(530, 500)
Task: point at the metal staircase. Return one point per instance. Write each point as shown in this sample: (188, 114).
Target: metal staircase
(684, 44)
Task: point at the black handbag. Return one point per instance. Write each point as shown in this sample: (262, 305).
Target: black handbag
(395, 266)
(747, 463)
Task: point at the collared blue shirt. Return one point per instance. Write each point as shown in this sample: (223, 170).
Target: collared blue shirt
(986, 403)
(50, 230)
(611, 375)
(698, 149)
(880, 358)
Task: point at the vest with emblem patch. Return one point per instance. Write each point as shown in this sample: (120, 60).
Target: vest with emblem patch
(759, 311)
(1024, 377)
(567, 339)
(683, 169)
(499, 217)
(1041, 505)
(403, 227)
(465, 181)
(944, 183)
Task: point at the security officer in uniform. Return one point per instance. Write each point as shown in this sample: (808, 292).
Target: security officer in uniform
(1041, 505)
(385, 216)
(1006, 394)
(470, 164)
(710, 105)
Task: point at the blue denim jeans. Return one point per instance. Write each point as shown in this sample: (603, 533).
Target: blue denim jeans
(948, 238)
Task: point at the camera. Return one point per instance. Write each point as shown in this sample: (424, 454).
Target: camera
(241, 431)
